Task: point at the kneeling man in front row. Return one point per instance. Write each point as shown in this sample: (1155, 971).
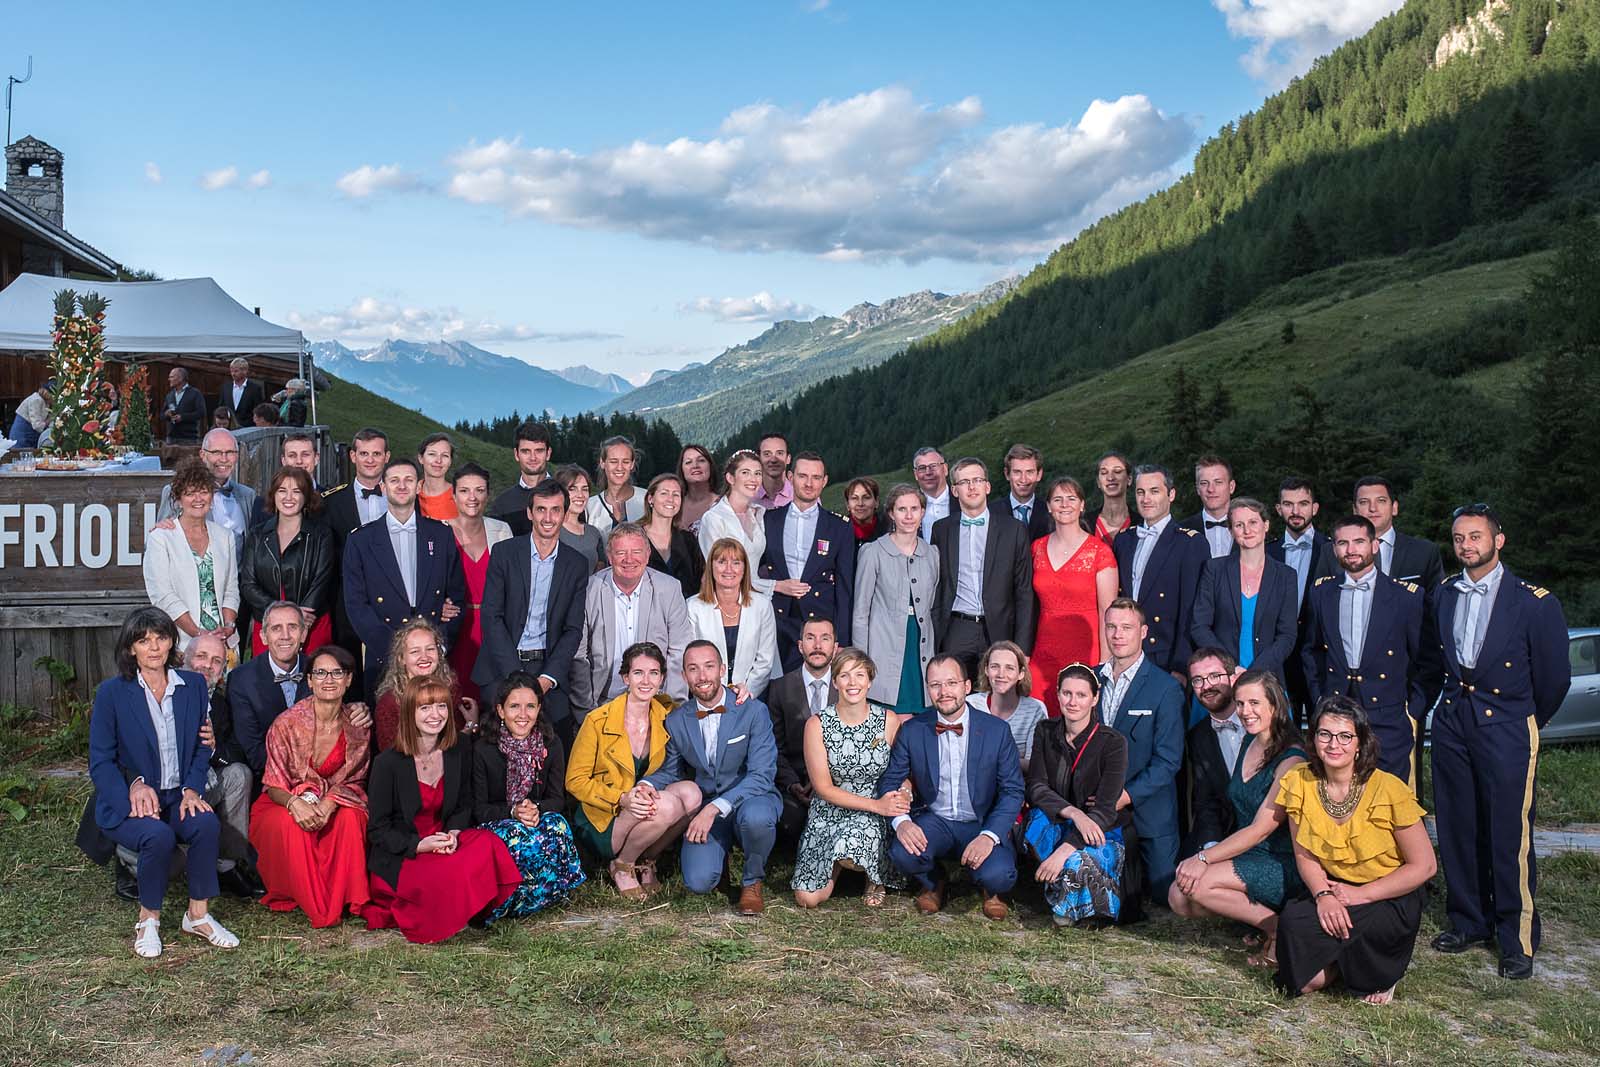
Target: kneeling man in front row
(966, 788)
(728, 751)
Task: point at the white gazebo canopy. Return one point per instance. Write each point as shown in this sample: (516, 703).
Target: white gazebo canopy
(187, 316)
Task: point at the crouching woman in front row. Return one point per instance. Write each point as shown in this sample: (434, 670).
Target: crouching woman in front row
(429, 873)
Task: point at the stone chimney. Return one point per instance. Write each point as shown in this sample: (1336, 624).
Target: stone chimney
(33, 176)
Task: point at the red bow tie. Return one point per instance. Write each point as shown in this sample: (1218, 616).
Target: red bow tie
(948, 728)
(701, 713)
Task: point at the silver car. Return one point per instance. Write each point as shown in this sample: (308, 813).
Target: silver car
(1579, 716)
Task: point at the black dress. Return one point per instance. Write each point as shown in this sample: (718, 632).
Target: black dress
(686, 563)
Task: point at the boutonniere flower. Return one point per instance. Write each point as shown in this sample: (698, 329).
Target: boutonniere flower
(822, 547)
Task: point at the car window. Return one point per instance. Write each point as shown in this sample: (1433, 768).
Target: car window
(1584, 655)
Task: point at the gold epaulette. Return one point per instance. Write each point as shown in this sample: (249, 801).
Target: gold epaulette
(1411, 587)
(1191, 533)
(329, 492)
(1319, 581)
(1539, 592)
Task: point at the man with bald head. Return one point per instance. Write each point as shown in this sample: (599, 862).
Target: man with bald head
(233, 503)
(183, 412)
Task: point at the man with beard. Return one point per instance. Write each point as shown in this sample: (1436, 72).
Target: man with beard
(792, 699)
(1213, 747)
(1505, 675)
(1301, 548)
(1368, 637)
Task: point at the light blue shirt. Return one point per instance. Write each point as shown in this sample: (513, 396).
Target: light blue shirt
(226, 511)
(799, 534)
(1355, 611)
(1017, 507)
(1146, 545)
(403, 539)
(1297, 553)
(165, 721)
(954, 801)
(535, 630)
(972, 542)
(710, 731)
(1473, 608)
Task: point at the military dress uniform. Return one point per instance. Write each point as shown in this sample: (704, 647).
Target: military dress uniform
(1371, 640)
(1164, 578)
(1504, 648)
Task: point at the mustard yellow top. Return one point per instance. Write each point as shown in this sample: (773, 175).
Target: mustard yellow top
(1362, 849)
(600, 765)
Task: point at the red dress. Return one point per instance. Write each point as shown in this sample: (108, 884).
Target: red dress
(1106, 533)
(464, 653)
(438, 894)
(1069, 613)
(321, 872)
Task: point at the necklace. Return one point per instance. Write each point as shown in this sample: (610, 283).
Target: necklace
(1341, 810)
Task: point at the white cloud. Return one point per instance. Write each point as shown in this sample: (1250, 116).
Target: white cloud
(366, 180)
(259, 180)
(371, 319)
(152, 174)
(762, 307)
(1289, 34)
(221, 178)
(879, 175)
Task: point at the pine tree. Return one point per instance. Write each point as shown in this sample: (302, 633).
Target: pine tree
(1516, 174)
(1183, 417)
(1213, 299)
(1300, 255)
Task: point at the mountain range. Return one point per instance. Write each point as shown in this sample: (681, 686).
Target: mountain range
(455, 380)
(707, 402)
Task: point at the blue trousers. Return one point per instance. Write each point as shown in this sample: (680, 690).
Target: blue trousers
(1483, 790)
(753, 825)
(1160, 854)
(997, 874)
(1396, 732)
(156, 839)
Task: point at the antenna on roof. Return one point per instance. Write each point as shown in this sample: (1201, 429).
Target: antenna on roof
(11, 81)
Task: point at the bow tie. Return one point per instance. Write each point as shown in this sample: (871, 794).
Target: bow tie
(1362, 586)
(226, 488)
(293, 676)
(1146, 531)
(948, 728)
(1220, 725)
(368, 494)
(701, 713)
(1296, 546)
(1469, 587)
(973, 522)
(1212, 524)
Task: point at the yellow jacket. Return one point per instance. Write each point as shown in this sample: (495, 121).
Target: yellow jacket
(600, 767)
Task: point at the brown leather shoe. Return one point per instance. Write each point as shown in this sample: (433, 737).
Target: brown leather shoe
(994, 907)
(750, 902)
(929, 901)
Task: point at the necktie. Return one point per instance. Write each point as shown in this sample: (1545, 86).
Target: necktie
(1212, 524)
(701, 713)
(972, 522)
(368, 494)
(226, 488)
(1024, 513)
(817, 688)
(948, 728)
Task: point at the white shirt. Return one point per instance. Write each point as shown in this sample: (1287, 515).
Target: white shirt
(1355, 612)
(226, 510)
(971, 541)
(165, 721)
(1230, 737)
(280, 675)
(799, 534)
(816, 689)
(710, 730)
(1220, 538)
(1115, 688)
(1297, 553)
(35, 410)
(1146, 545)
(938, 508)
(1386, 551)
(403, 539)
(1472, 613)
(954, 801)
(371, 507)
(625, 607)
(238, 391)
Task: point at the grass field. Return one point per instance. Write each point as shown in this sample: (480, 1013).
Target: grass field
(687, 982)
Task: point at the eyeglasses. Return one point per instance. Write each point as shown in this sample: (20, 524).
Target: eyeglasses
(1205, 681)
(966, 483)
(1328, 737)
(322, 674)
(926, 468)
(220, 451)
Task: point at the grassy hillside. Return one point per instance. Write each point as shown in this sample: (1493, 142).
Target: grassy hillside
(348, 407)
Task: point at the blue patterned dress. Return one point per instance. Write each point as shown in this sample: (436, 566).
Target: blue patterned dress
(547, 856)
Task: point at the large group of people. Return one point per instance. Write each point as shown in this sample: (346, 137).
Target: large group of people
(457, 695)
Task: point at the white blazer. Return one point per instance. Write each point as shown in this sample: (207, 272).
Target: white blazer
(172, 580)
(756, 655)
(598, 515)
(719, 521)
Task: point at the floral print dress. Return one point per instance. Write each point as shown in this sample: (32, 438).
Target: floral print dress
(857, 757)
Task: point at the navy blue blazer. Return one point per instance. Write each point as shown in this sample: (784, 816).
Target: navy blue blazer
(256, 701)
(1151, 716)
(1218, 609)
(994, 774)
(1522, 670)
(1319, 545)
(830, 570)
(123, 744)
(1397, 672)
(1414, 560)
(506, 589)
(1167, 594)
(375, 596)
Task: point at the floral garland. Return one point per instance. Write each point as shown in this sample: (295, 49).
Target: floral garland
(81, 406)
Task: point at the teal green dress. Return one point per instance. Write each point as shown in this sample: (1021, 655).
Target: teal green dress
(1267, 870)
(912, 698)
(599, 841)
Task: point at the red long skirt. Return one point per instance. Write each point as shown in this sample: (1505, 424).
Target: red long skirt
(322, 872)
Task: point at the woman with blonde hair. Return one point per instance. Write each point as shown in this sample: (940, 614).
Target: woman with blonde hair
(417, 651)
(618, 500)
(737, 515)
(730, 614)
(1003, 684)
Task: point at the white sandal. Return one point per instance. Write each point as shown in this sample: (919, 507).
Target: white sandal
(147, 938)
(219, 936)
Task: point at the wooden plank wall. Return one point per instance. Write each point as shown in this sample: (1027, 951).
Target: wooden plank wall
(90, 650)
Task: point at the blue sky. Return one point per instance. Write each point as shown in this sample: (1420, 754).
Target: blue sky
(633, 186)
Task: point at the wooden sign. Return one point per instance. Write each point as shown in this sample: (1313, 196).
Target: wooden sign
(75, 536)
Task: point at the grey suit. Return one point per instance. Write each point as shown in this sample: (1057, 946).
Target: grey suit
(243, 494)
(662, 619)
(886, 582)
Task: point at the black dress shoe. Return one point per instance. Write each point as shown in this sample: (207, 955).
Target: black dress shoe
(1516, 966)
(237, 882)
(1454, 942)
(127, 882)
